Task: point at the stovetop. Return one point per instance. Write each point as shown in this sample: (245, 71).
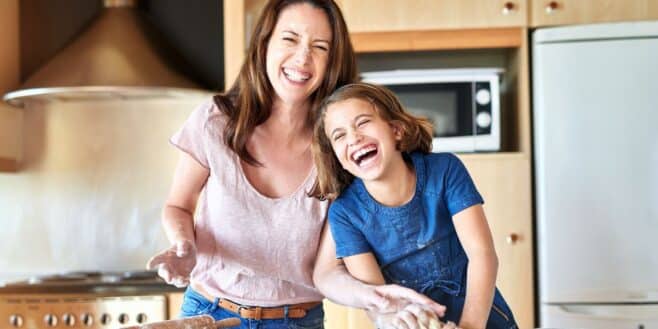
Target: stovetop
(129, 282)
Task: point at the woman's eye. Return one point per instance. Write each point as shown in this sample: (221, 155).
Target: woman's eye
(361, 123)
(323, 48)
(338, 137)
(288, 39)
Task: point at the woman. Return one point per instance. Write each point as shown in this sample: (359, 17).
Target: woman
(250, 248)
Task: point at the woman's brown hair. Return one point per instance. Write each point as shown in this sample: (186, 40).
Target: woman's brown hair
(416, 134)
(248, 102)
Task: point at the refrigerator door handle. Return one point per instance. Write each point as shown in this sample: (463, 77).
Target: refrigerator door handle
(611, 312)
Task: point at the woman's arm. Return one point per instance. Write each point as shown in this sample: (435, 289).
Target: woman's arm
(177, 214)
(363, 287)
(332, 279)
(175, 263)
(475, 236)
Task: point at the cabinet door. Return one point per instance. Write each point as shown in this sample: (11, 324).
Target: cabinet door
(174, 303)
(562, 12)
(396, 15)
(341, 317)
(504, 182)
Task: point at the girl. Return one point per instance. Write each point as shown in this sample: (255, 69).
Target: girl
(404, 215)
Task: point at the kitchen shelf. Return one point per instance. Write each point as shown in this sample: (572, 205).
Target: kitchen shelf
(494, 156)
(366, 42)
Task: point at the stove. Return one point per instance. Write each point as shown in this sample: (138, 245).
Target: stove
(88, 300)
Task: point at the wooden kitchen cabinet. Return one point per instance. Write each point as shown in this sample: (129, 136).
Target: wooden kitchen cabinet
(395, 15)
(566, 12)
(10, 118)
(505, 184)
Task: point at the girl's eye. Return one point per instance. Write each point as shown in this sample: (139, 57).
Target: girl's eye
(361, 123)
(338, 137)
(323, 48)
(288, 39)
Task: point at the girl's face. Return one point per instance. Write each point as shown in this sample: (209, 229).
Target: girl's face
(298, 52)
(364, 143)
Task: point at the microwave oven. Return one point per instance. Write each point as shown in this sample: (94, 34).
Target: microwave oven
(462, 104)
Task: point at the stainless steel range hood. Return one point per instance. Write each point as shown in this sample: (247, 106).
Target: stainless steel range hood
(112, 59)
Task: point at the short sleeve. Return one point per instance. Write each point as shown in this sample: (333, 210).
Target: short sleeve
(349, 239)
(190, 138)
(461, 192)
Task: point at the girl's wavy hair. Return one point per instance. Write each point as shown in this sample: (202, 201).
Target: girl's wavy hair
(248, 102)
(416, 135)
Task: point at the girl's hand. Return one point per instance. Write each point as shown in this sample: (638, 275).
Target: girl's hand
(175, 263)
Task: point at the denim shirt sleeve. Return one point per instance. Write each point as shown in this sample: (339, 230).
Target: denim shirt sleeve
(461, 192)
(348, 237)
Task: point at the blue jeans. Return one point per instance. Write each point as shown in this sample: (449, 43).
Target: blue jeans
(195, 304)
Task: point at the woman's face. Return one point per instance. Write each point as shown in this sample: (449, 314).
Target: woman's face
(298, 52)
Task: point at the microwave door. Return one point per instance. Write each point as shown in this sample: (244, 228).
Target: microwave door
(448, 106)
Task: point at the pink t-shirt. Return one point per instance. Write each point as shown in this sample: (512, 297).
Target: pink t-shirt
(252, 249)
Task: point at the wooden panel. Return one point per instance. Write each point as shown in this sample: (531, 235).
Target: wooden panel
(358, 319)
(174, 302)
(395, 15)
(341, 317)
(519, 67)
(335, 315)
(591, 11)
(10, 118)
(365, 42)
(9, 52)
(504, 183)
(234, 39)
(240, 16)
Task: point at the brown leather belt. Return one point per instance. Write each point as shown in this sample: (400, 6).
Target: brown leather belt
(295, 311)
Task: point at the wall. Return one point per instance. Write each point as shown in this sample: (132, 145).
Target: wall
(90, 188)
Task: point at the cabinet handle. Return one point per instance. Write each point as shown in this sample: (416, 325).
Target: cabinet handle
(508, 7)
(551, 7)
(512, 238)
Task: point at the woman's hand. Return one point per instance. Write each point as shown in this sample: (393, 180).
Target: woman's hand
(175, 263)
(398, 298)
(413, 316)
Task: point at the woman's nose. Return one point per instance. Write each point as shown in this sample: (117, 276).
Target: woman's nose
(302, 54)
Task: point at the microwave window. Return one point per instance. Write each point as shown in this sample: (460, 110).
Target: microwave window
(448, 106)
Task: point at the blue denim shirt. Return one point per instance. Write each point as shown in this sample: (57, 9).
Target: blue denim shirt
(415, 244)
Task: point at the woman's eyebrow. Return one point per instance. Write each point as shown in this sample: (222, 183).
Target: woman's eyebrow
(291, 32)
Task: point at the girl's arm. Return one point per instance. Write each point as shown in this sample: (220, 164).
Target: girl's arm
(475, 236)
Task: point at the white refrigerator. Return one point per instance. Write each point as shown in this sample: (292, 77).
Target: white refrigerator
(595, 121)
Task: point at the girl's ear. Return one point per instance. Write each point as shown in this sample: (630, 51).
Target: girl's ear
(398, 130)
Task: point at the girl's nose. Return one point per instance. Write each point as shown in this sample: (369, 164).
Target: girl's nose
(353, 138)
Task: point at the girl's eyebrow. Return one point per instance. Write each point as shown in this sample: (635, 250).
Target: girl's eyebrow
(356, 118)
